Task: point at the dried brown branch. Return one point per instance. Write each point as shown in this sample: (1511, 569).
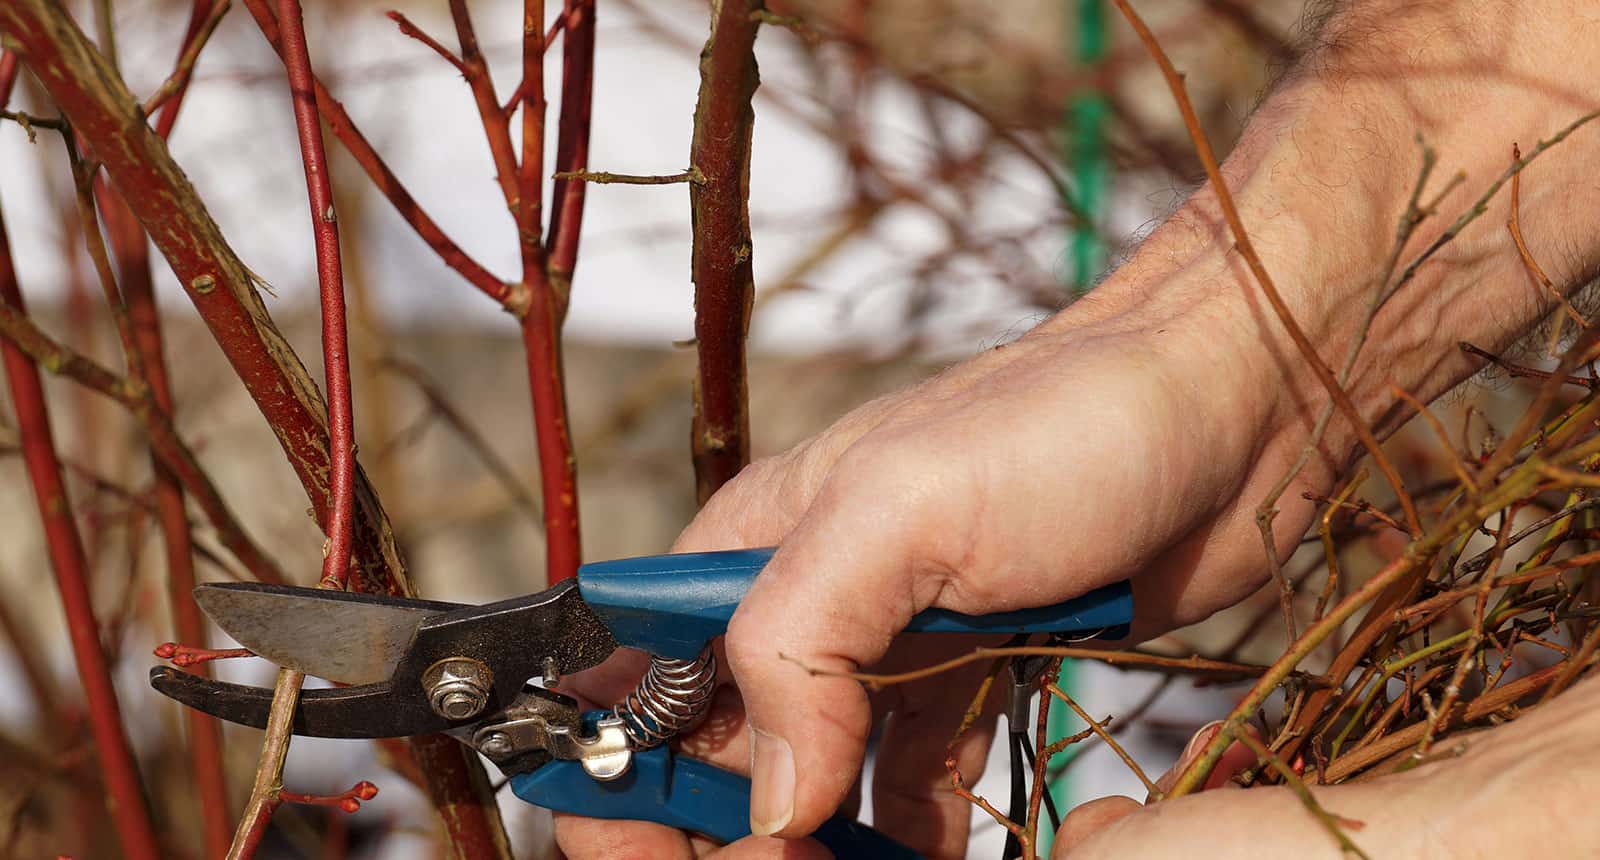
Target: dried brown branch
(1247, 252)
(1100, 731)
(1457, 465)
(265, 792)
(1334, 824)
(1039, 787)
(1330, 553)
(1215, 670)
(1517, 370)
(1514, 225)
(1465, 713)
(603, 177)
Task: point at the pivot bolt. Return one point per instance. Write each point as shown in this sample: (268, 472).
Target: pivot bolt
(495, 745)
(458, 687)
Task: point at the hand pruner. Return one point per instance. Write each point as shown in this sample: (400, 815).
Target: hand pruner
(489, 677)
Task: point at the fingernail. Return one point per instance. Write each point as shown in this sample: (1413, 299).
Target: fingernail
(1200, 739)
(771, 783)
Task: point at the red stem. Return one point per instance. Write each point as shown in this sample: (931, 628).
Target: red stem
(129, 814)
(545, 310)
(134, 274)
(169, 116)
(205, 732)
(496, 127)
(102, 110)
(572, 142)
(330, 283)
(530, 171)
(139, 165)
(343, 128)
(558, 475)
(724, 284)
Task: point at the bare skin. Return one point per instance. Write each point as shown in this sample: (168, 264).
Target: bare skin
(1133, 434)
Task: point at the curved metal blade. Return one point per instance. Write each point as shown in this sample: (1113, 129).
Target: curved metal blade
(368, 711)
(343, 637)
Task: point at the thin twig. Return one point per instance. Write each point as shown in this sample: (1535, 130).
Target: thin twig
(1217, 670)
(179, 79)
(603, 177)
(1517, 370)
(415, 32)
(1248, 253)
(1456, 463)
(385, 180)
(1040, 785)
(265, 792)
(576, 25)
(1360, 506)
(1330, 554)
(1334, 824)
(1482, 204)
(1110, 741)
(1514, 225)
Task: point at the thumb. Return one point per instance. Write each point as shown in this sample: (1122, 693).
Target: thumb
(830, 601)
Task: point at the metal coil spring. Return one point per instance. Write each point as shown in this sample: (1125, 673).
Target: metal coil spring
(672, 696)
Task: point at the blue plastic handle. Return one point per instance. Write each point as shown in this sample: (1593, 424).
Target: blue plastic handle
(688, 794)
(672, 605)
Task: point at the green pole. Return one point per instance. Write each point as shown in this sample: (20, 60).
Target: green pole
(1085, 143)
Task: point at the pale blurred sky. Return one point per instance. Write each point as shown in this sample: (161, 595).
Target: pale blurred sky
(236, 140)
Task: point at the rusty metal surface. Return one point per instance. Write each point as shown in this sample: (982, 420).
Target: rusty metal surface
(513, 637)
(343, 637)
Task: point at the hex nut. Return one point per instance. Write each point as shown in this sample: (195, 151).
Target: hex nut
(457, 687)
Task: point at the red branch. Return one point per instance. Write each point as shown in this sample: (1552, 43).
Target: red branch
(129, 813)
(343, 128)
(407, 28)
(106, 116)
(330, 284)
(544, 311)
(724, 285)
(572, 141)
(203, 19)
(205, 732)
(135, 277)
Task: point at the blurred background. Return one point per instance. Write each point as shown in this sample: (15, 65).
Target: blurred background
(930, 178)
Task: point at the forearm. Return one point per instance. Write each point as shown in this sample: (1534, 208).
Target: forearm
(1323, 175)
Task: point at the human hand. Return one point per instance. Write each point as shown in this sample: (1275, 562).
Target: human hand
(1518, 790)
(943, 495)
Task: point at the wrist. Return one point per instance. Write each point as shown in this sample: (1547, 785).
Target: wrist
(1322, 177)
